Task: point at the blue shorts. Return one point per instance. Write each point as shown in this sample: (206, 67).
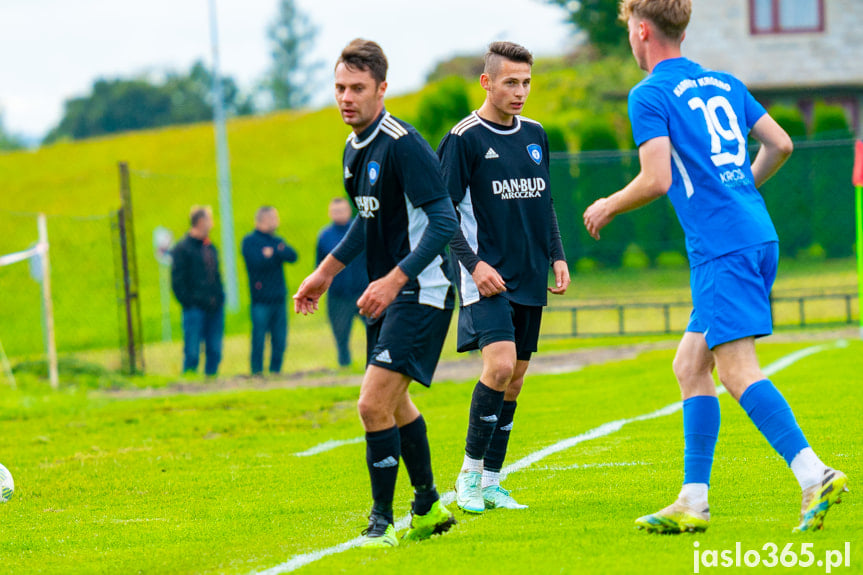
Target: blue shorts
(731, 295)
(494, 319)
(408, 339)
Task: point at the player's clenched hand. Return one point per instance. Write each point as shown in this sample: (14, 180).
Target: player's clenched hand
(311, 290)
(561, 277)
(597, 216)
(381, 293)
(487, 280)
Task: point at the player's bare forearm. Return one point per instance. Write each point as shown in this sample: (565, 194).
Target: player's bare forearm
(652, 182)
(487, 279)
(776, 148)
(315, 285)
(381, 293)
(561, 277)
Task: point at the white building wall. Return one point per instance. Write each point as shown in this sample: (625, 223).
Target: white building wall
(719, 37)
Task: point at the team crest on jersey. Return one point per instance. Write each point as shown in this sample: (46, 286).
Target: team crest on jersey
(374, 171)
(535, 153)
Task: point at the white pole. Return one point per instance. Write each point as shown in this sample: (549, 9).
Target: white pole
(46, 302)
(165, 295)
(6, 367)
(223, 167)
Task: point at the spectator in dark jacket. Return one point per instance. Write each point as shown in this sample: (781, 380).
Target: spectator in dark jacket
(265, 254)
(347, 286)
(197, 284)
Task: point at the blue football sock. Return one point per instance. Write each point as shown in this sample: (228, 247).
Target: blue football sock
(700, 432)
(773, 417)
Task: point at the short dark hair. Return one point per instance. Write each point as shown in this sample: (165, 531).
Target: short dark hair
(511, 51)
(365, 55)
(263, 211)
(198, 212)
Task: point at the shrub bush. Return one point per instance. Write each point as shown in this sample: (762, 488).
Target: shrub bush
(634, 258)
(671, 260)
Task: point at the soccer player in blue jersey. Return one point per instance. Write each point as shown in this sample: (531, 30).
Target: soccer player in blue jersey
(495, 165)
(691, 125)
(405, 221)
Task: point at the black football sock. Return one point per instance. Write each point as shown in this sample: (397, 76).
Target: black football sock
(417, 458)
(485, 406)
(496, 452)
(382, 458)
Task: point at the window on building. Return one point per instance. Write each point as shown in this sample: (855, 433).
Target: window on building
(781, 16)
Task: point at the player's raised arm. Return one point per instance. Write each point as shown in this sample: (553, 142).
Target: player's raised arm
(652, 182)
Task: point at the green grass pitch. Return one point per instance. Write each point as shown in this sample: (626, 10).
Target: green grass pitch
(210, 483)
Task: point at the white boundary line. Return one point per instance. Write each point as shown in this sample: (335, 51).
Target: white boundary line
(298, 561)
(328, 445)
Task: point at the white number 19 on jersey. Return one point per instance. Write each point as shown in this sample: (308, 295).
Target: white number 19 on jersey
(718, 132)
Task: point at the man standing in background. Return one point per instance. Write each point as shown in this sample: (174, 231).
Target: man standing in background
(348, 286)
(265, 254)
(197, 284)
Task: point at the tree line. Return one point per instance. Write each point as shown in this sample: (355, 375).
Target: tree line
(151, 101)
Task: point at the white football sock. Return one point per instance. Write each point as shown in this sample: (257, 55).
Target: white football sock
(471, 464)
(807, 468)
(490, 478)
(694, 495)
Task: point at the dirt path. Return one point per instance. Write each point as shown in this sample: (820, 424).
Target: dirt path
(453, 370)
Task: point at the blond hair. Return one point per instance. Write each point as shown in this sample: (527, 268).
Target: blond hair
(670, 16)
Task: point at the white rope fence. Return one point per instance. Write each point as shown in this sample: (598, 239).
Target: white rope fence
(10, 259)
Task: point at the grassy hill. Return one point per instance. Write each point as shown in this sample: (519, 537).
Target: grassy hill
(291, 160)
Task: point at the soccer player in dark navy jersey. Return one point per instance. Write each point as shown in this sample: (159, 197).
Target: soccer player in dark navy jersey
(495, 166)
(405, 221)
(691, 126)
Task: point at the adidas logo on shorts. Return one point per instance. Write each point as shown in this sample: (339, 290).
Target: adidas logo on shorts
(491, 154)
(384, 357)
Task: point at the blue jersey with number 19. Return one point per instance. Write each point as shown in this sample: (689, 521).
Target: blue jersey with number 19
(707, 116)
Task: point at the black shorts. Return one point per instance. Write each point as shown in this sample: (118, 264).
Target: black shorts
(408, 339)
(494, 319)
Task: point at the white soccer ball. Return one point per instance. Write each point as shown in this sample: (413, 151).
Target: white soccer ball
(7, 485)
